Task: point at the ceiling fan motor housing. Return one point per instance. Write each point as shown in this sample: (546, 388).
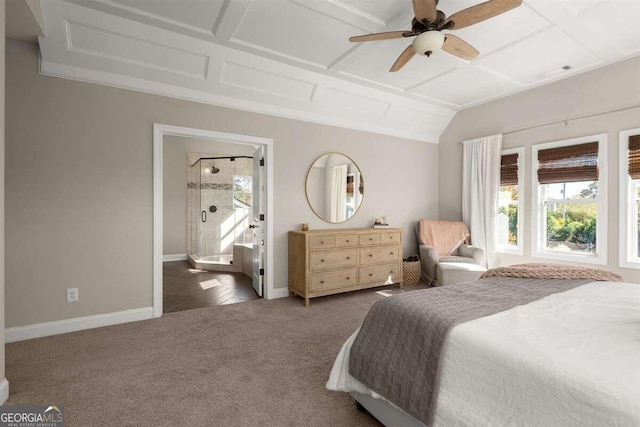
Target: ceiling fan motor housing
(428, 42)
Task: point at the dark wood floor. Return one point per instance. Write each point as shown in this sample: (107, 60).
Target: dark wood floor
(185, 288)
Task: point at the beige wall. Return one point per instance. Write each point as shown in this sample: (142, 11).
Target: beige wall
(174, 212)
(175, 178)
(605, 89)
(2, 170)
(79, 186)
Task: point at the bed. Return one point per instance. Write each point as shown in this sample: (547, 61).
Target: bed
(566, 356)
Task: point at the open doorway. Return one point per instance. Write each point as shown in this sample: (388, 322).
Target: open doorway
(212, 223)
(208, 219)
(220, 202)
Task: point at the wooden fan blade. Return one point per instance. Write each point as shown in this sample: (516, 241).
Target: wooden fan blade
(380, 36)
(404, 57)
(481, 12)
(425, 10)
(460, 48)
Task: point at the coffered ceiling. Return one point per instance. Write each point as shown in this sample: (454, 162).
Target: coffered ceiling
(292, 58)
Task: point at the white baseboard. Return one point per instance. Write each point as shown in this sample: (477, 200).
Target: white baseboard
(21, 333)
(279, 293)
(4, 391)
(174, 257)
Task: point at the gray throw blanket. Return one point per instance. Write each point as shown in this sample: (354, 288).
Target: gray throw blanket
(398, 350)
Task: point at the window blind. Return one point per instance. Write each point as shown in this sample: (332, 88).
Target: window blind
(571, 163)
(634, 157)
(509, 169)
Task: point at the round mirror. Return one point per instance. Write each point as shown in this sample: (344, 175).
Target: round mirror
(334, 187)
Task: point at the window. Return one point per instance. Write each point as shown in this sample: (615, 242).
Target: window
(243, 190)
(510, 212)
(569, 199)
(630, 198)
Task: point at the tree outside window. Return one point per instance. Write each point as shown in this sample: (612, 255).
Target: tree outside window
(571, 211)
(508, 215)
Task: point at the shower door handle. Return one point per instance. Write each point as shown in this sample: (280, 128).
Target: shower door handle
(203, 216)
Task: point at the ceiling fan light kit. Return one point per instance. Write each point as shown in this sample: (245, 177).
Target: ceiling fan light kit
(428, 24)
(428, 43)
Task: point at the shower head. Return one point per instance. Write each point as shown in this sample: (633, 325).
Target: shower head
(214, 169)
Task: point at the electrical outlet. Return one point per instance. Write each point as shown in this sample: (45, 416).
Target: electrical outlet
(72, 295)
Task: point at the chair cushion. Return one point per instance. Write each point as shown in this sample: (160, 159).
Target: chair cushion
(451, 273)
(460, 259)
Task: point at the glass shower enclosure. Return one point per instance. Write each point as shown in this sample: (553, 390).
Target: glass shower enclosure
(219, 208)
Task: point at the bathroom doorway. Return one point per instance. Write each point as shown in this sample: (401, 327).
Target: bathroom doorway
(226, 229)
(219, 212)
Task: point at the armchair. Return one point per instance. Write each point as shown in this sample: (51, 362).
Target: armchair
(454, 237)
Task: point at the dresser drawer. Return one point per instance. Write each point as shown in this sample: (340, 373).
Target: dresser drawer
(383, 274)
(333, 280)
(391, 237)
(370, 239)
(379, 254)
(321, 242)
(322, 260)
(346, 240)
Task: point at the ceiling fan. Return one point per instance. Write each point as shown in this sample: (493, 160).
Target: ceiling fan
(428, 24)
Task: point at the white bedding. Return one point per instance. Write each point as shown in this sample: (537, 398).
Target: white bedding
(569, 359)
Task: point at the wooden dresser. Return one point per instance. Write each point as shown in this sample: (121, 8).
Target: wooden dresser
(325, 262)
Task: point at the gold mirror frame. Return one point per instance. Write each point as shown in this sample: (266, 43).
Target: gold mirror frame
(357, 188)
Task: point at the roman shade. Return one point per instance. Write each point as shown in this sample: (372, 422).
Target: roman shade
(509, 169)
(634, 157)
(571, 163)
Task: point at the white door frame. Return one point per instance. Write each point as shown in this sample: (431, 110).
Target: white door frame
(159, 132)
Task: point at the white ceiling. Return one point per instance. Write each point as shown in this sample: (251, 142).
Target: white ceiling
(292, 58)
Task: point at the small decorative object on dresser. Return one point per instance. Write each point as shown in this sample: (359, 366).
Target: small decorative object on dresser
(325, 262)
(381, 223)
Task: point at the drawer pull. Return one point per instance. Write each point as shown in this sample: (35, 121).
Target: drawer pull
(347, 240)
(390, 253)
(391, 272)
(321, 260)
(391, 238)
(370, 238)
(370, 255)
(348, 278)
(322, 242)
(370, 274)
(321, 281)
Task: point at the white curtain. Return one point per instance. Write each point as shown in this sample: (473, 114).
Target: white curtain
(339, 193)
(480, 187)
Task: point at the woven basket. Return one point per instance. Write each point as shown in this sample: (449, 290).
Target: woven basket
(411, 272)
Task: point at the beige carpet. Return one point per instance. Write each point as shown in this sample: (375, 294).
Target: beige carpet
(256, 363)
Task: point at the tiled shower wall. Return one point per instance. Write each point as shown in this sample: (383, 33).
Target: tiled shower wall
(229, 224)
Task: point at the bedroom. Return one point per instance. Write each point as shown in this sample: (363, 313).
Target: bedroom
(88, 136)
